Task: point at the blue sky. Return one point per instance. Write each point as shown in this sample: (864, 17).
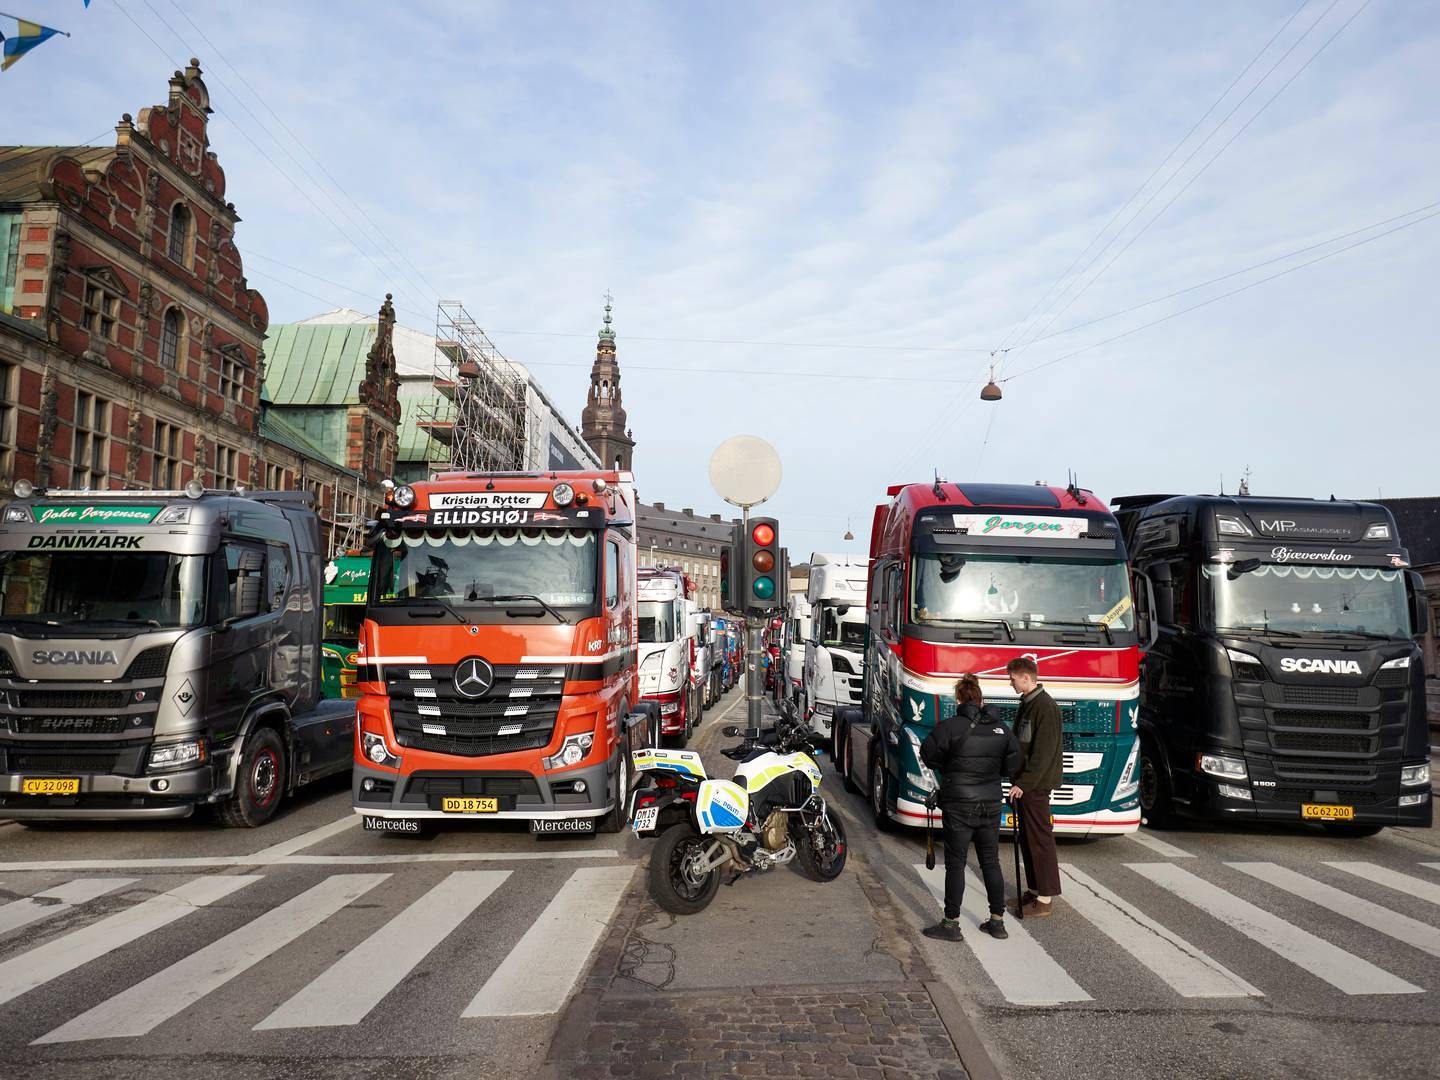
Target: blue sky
(904, 180)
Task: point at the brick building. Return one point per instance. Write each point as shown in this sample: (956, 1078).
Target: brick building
(131, 346)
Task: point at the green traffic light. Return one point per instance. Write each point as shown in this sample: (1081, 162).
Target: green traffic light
(763, 587)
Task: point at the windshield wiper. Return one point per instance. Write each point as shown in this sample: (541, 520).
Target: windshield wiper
(1104, 627)
(528, 596)
(974, 622)
(443, 605)
(1260, 630)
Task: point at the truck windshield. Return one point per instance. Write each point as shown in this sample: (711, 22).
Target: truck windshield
(657, 620)
(1310, 599)
(101, 586)
(1025, 591)
(342, 623)
(558, 566)
(845, 631)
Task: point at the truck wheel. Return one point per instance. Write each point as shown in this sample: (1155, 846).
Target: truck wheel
(673, 883)
(879, 804)
(260, 784)
(1156, 809)
(614, 821)
(846, 765)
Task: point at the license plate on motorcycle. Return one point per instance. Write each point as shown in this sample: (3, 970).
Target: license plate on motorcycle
(50, 785)
(645, 818)
(470, 805)
(1322, 812)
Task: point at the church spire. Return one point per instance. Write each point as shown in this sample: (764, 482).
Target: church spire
(602, 422)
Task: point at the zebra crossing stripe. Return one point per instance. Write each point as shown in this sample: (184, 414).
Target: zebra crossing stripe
(1158, 846)
(1023, 972)
(357, 982)
(1342, 970)
(147, 1004)
(537, 975)
(45, 962)
(29, 909)
(1402, 928)
(1392, 879)
(1187, 970)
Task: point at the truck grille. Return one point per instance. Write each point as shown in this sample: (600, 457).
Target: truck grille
(1392, 678)
(72, 725)
(1322, 742)
(1320, 695)
(70, 699)
(65, 762)
(150, 664)
(517, 712)
(1333, 721)
(1304, 795)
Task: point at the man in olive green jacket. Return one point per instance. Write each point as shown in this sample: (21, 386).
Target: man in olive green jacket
(1037, 726)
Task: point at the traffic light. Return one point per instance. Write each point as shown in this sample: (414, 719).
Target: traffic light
(761, 566)
(729, 594)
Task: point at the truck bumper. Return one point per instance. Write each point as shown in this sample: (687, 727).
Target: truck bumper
(1214, 805)
(112, 798)
(522, 796)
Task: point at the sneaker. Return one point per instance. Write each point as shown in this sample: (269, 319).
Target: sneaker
(944, 930)
(995, 927)
(1034, 909)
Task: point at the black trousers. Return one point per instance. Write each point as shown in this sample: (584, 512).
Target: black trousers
(966, 823)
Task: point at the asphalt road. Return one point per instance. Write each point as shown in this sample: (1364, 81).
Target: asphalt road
(311, 949)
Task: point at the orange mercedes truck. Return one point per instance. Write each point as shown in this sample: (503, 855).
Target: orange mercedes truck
(497, 659)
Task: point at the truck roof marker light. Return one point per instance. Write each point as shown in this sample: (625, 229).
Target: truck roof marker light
(194, 489)
(1229, 526)
(1378, 531)
(24, 489)
(404, 496)
(563, 494)
(600, 486)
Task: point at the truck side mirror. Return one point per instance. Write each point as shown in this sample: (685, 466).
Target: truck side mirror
(1419, 603)
(1146, 630)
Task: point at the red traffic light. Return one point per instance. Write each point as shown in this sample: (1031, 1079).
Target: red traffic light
(763, 534)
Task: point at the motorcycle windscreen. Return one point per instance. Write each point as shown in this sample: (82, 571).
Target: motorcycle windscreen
(684, 762)
(721, 806)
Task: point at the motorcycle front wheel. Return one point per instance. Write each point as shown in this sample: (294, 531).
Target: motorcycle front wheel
(675, 882)
(820, 852)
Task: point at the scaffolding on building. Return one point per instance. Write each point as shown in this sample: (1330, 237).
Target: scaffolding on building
(479, 412)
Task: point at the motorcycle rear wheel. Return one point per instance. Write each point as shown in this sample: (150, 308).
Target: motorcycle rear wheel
(671, 886)
(828, 863)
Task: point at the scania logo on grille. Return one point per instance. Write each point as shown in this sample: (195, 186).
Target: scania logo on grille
(474, 677)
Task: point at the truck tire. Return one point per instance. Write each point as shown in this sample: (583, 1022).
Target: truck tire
(614, 821)
(1156, 809)
(846, 767)
(259, 784)
(879, 801)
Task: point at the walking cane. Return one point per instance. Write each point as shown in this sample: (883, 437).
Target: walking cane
(929, 832)
(1019, 837)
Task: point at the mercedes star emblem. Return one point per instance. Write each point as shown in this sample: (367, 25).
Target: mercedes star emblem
(474, 677)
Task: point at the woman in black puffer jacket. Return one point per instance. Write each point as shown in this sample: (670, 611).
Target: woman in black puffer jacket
(972, 752)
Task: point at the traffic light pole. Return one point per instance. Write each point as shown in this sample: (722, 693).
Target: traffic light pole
(754, 630)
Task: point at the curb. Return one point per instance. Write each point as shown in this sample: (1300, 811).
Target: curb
(979, 1065)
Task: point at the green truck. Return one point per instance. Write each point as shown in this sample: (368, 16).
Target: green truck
(347, 584)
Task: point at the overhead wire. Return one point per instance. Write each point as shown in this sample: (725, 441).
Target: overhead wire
(1004, 343)
(1214, 157)
(305, 147)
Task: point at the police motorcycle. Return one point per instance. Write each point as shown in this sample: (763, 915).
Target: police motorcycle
(770, 814)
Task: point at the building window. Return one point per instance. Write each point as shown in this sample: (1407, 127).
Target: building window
(278, 478)
(102, 311)
(227, 466)
(90, 456)
(179, 234)
(165, 464)
(232, 379)
(9, 394)
(9, 259)
(170, 333)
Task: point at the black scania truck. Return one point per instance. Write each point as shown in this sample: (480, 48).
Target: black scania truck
(1284, 683)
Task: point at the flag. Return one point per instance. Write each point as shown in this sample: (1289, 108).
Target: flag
(27, 36)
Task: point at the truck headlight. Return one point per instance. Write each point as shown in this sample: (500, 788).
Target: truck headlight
(1398, 662)
(1414, 799)
(1129, 782)
(572, 751)
(1231, 791)
(1219, 765)
(563, 494)
(927, 780)
(1414, 775)
(404, 496)
(172, 755)
(374, 748)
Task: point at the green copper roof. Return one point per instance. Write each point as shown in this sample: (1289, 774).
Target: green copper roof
(276, 428)
(316, 364)
(418, 402)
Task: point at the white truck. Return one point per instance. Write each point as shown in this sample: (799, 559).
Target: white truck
(702, 667)
(835, 646)
(667, 635)
(792, 649)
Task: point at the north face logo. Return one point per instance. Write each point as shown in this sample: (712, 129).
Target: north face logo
(998, 730)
